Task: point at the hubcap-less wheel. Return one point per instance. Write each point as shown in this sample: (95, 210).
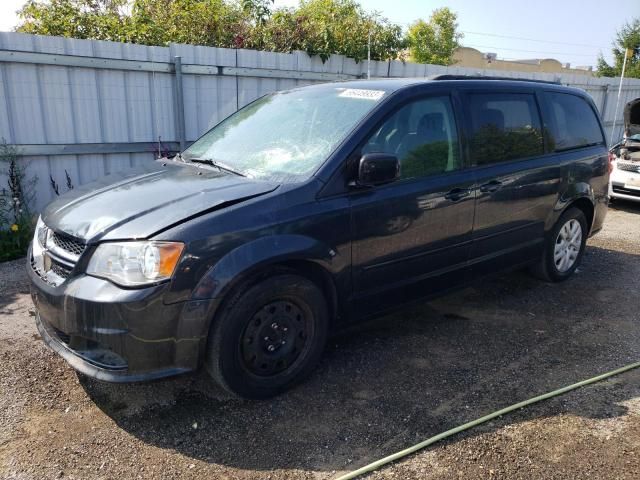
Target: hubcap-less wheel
(268, 334)
(567, 246)
(274, 338)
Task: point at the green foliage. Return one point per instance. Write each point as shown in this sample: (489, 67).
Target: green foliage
(149, 22)
(343, 26)
(99, 19)
(259, 10)
(428, 159)
(434, 41)
(490, 143)
(323, 27)
(16, 221)
(198, 22)
(319, 27)
(626, 38)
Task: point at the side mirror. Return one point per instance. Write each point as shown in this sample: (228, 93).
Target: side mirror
(377, 169)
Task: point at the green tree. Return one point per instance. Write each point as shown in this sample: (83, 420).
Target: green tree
(99, 19)
(199, 22)
(324, 27)
(343, 26)
(319, 27)
(150, 22)
(259, 10)
(434, 41)
(626, 38)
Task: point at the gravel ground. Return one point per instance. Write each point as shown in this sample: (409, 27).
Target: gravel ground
(382, 386)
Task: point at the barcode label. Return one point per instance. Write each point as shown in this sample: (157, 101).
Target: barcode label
(362, 93)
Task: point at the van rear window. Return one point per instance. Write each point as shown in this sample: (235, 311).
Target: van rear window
(505, 126)
(573, 122)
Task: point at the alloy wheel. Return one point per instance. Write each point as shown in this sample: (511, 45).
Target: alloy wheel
(567, 245)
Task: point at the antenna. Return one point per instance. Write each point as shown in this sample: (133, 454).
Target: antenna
(369, 55)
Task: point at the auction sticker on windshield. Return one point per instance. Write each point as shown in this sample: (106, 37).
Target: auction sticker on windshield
(374, 95)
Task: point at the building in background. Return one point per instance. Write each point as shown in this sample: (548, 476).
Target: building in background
(472, 58)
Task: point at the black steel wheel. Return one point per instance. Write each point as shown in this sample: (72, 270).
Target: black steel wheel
(267, 337)
(275, 338)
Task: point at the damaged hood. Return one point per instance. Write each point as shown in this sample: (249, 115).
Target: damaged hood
(632, 118)
(144, 201)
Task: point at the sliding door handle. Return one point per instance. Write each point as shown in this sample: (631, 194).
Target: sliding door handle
(492, 186)
(457, 194)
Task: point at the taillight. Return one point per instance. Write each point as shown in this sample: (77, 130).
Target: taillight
(612, 158)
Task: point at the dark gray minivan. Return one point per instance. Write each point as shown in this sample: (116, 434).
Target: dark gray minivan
(311, 208)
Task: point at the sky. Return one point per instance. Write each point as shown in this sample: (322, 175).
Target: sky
(573, 31)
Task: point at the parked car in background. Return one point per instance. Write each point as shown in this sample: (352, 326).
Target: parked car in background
(625, 177)
(311, 208)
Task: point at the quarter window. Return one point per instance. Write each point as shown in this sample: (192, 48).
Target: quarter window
(504, 126)
(573, 122)
(423, 136)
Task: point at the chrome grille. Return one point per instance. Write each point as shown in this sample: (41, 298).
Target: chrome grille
(67, 244)
(40, 273)
(60, 270)
(628, 167)
(60, 254)
(53, 280)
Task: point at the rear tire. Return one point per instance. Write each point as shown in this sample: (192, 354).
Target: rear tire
(564, 247)
(268, 337)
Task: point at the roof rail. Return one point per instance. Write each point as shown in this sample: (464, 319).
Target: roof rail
(480, 77)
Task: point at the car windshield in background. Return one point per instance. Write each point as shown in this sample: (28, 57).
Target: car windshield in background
(285, 136)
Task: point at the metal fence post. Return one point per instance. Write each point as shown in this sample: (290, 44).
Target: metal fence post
(180, 126)
(605, 97)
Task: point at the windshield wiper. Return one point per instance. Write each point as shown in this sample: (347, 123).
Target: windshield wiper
(219, 165)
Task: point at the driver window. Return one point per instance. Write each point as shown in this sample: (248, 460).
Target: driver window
(422, 134)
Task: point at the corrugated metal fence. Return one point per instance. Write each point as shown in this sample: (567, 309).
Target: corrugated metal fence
(89, 108)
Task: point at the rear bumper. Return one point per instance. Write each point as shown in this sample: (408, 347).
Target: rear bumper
(119, 335)
(601, 206)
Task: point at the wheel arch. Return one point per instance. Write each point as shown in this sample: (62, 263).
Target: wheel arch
(581, 196)
(586, 206)
(268, 256)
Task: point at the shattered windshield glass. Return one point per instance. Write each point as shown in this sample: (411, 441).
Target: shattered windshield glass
(285, 136)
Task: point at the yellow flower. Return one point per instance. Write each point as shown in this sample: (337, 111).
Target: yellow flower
(15, 227)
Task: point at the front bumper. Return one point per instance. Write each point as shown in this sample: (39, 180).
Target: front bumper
(119, 335)
(624, 185)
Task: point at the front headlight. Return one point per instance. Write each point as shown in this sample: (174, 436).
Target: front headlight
(37, 246)
(41, 232)
(133, 264)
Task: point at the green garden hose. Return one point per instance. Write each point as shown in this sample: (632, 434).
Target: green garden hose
(430, 441)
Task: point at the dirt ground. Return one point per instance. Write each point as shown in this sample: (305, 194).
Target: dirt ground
(381, 387)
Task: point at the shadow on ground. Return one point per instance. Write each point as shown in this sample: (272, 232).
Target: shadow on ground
(397, 380)
(625, 206)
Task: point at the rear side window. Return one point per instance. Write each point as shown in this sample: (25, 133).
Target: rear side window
(573, 122)
(504, 126)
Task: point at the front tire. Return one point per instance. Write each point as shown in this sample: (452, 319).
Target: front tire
(564, 247)
(268, 337)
